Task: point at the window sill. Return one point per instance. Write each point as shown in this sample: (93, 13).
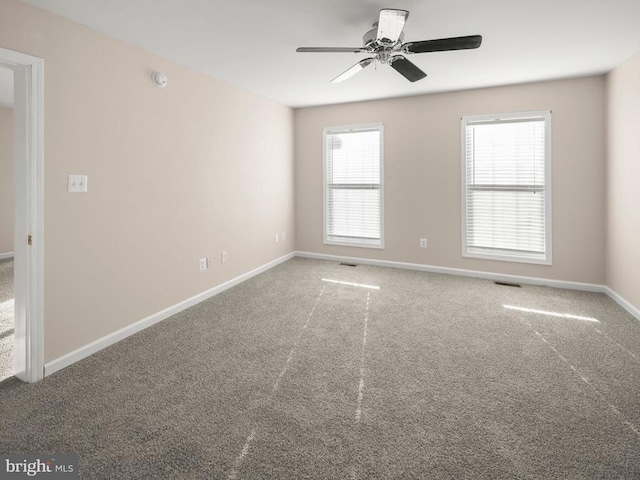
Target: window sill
(379, 246)
(509, 258)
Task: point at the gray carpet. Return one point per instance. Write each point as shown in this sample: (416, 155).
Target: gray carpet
(6, 319)
(289, 376)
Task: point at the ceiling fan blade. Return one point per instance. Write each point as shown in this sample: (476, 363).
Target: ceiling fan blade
(353, 70)
(331, 49)
(391, 24)
(406, 68)
(443, 44)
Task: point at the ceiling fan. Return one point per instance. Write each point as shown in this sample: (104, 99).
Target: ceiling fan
(384, 42)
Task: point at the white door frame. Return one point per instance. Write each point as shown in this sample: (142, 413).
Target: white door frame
(28, 123)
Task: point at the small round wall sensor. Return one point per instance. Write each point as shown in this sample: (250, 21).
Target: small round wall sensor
(160, 79)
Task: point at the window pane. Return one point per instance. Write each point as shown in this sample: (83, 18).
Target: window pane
(506, 220)
(354, 158)
(506, 154)
(354, 213)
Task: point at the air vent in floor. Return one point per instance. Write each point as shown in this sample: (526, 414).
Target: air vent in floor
(507, 284)
(344, 264)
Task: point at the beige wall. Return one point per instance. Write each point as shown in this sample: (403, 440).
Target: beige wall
(6, 180)
(175, 174)
(623, 175)
(422, 175)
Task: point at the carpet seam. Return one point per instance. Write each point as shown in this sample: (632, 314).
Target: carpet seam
(276, 385)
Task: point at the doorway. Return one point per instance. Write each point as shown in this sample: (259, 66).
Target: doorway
(28, 214)
(7, 340)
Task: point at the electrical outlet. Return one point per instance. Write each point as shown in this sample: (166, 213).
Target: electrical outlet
(223, 257)
(283, 236)
(203, 264)
(423, 243)
(277, 238)
(209, 262)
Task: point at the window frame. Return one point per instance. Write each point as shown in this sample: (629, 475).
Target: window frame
(509, 118)
(346, 129)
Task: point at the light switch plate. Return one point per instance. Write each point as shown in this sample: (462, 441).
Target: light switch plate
(77, 183)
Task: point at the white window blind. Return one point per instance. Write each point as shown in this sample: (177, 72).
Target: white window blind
(353, 186)
(506, 197)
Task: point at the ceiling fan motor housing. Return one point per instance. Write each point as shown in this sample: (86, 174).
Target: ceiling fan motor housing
(371, 42)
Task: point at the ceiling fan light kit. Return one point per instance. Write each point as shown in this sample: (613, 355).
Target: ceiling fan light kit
(385, 42)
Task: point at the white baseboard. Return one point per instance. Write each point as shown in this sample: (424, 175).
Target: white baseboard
(623, 303)
(6, 255)
(588, 287)
(97, 345)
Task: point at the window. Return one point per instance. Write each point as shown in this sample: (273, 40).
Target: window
(353, 193)
(506, 192)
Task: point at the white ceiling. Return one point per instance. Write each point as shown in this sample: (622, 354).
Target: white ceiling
(251, 43)
(6, 87)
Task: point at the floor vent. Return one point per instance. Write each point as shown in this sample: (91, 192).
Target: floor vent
(344, 264)
(507, 284)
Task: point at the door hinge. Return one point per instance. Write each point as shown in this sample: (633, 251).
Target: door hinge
(29, 240)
